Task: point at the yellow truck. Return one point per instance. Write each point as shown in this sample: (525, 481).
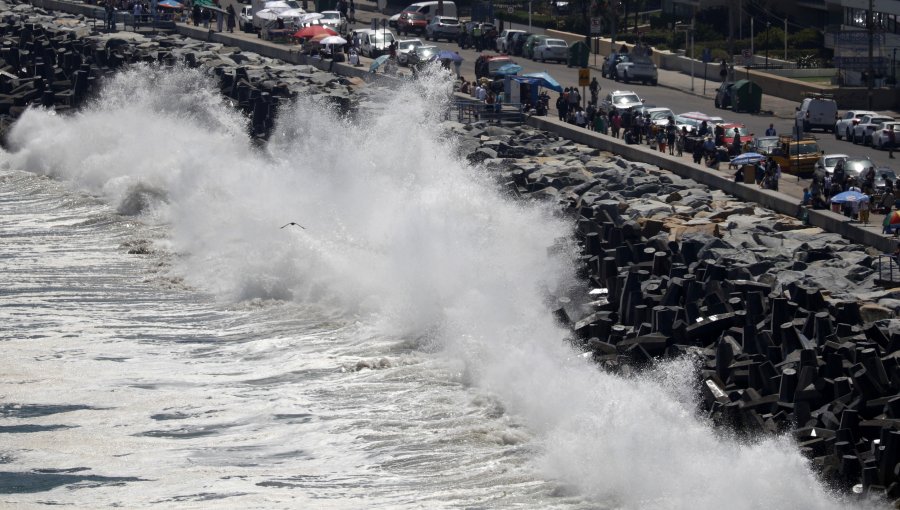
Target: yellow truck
(797, 157)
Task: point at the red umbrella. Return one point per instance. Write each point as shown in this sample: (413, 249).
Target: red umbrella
(313, 30)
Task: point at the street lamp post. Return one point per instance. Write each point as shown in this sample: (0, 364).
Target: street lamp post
(768, 24)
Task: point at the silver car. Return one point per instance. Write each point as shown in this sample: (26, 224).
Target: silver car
(825, 165)
(620, 100)
(404, 46)
(638, 68)
(551, 49)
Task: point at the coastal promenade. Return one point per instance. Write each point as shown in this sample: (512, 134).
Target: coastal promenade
(785, 201)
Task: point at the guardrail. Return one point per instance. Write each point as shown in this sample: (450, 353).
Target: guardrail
(469, 111)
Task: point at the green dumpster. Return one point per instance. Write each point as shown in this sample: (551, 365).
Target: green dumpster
(747, 96)
(579, 54)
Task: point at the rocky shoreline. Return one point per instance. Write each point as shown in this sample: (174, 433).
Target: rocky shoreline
(791, 331)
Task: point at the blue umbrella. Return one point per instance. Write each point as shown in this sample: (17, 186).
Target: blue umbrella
(377, 62)
(506, 69)
(747, 158)
(547, 81)
(451, 55)
(849, 196)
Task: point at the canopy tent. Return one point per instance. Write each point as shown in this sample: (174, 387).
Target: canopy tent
(546, 81)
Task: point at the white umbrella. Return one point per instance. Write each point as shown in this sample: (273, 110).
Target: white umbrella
(277, 4)
(292, 13)
(270, 14)
(333, 39)
(310, 17)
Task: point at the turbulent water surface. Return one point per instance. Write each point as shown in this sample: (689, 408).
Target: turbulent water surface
(166, 343)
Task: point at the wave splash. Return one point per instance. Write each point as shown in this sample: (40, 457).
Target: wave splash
(402, 234)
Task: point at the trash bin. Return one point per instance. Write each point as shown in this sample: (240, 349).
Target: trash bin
(749, 174)
(747, 96)
(579, 54)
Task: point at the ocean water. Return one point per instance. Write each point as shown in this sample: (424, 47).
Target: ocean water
(166, 344)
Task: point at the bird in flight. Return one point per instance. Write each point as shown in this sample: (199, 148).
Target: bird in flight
(294, 223)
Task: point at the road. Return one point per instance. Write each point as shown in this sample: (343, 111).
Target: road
(673, 93)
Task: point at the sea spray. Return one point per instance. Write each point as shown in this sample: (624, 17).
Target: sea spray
(415, 244)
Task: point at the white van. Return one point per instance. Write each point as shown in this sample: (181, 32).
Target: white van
(373, 43)
(429, 9)
(817, 112)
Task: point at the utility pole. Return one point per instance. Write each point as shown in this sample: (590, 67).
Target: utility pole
(785, 37)
(870, 74)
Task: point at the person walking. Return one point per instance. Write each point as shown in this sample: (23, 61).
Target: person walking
(892, 140)
(595, 90)
(230, 22)
(723, 70)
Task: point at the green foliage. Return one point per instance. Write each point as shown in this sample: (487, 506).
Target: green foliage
(808, 38)
(775, 38)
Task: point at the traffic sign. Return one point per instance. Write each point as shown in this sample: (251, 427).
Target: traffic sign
(748, 56)
(584, 77)
(374, 24)
(707, 56)
(596, 26)
(510, 9)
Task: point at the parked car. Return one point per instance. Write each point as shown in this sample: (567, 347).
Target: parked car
(638, 68)
(373, 43)
(486, 66)
(854, 167)
(411, 23)
(421, 55)
(620, 100)
(797, 157)
(404, 46)
(505, 38)
(817, 112)
(866, 127)
(742, 131)
(658, 115)
(765, 144)
(882, 175)
(880, 136)
(844, 125)
(826, 163)
(517, 44)
(430, 9)
(246, 18)
(608, 68)
(693, 120)
(532, 41)
(334, 21)
(724, 94)
(552, 49)
(442, 27)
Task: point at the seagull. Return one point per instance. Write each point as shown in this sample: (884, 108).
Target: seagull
(295, 224)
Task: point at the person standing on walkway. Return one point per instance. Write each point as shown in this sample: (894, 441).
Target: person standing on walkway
(771, 130)
(595, 90)
(230, 22)
(892, 140)
(220, 20)
(723, 70)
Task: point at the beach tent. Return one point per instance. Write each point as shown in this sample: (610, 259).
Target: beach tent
(546, 81)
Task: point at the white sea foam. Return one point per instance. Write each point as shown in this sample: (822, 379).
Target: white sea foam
(417, 246)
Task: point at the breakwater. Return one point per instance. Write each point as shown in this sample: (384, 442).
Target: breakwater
(675, 267)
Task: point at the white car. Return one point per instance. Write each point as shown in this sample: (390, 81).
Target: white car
(880, 136)
(551, 49)
(442, 27)
(246, 18)
(404, 46)
(505, 38)
(620, 100)
(638, 68)
(868, 124)
(659, 116)
(844, 125)
(334, 20)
